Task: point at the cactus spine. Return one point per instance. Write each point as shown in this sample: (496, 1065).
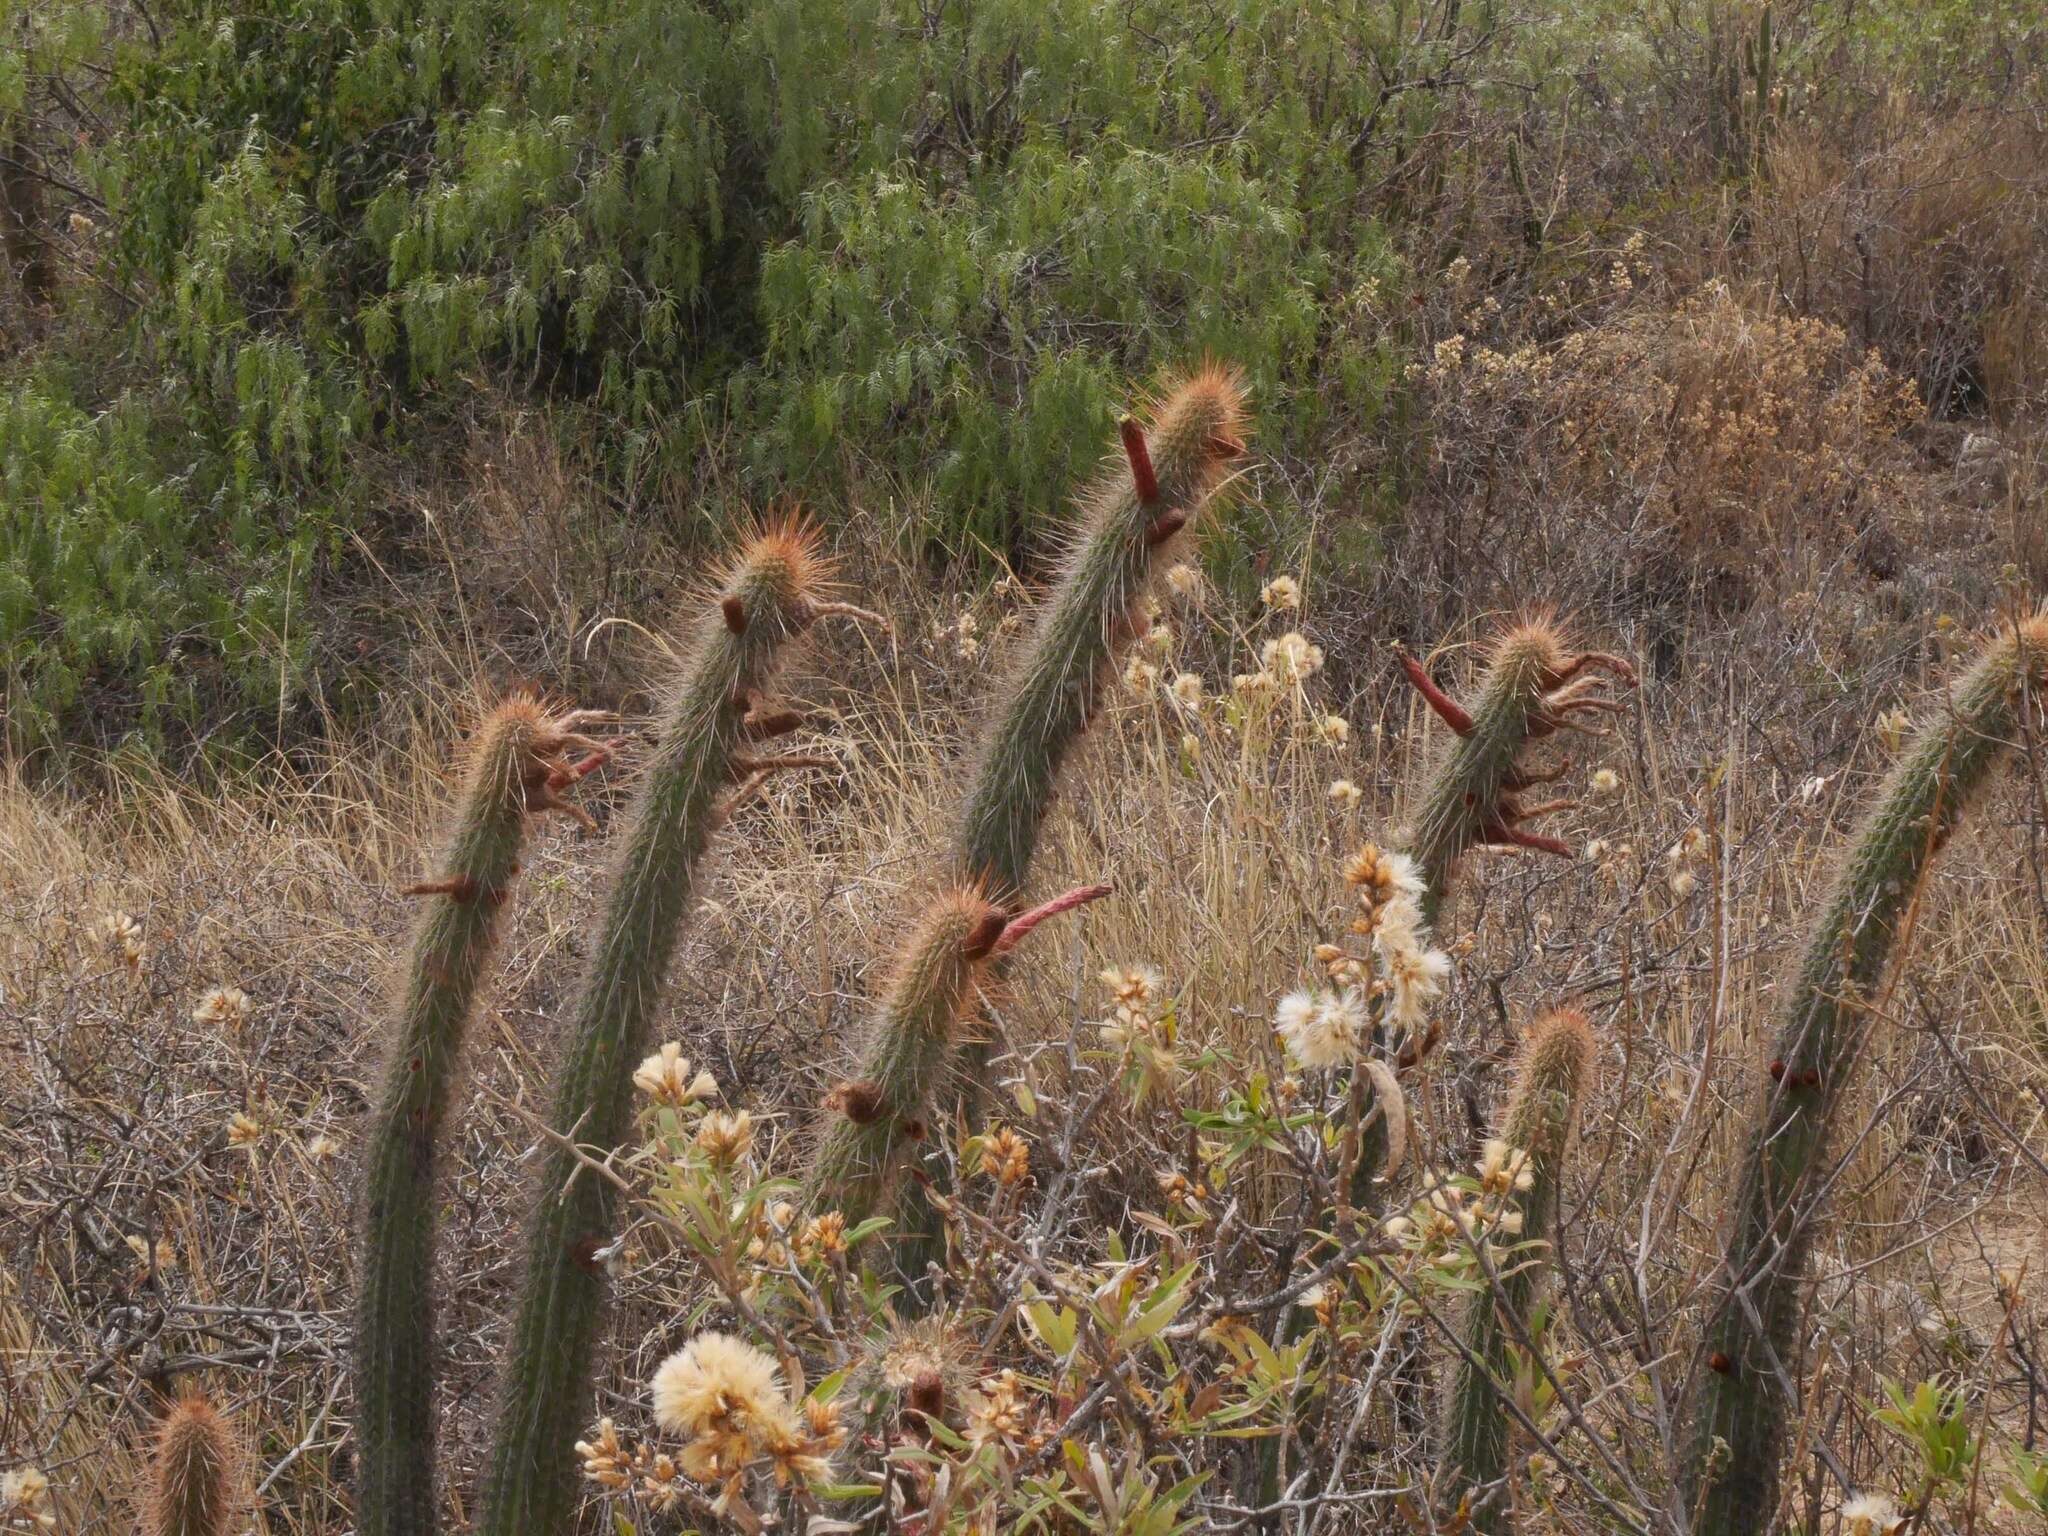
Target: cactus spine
(517, 764)
(194, 1473)
(1740, 1411)
(879, 1118)
(770, 596)
(1533, 687)
(1130, 520)
(1557, 1069)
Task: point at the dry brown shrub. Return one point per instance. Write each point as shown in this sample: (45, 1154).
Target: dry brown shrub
(1930, 244)
(1713, 436)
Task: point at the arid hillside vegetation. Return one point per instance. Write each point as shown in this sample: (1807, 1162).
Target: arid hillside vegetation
(1027, 766)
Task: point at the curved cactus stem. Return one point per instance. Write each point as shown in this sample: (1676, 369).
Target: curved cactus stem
(770, 596)
(516, 766)
(1740, 1408)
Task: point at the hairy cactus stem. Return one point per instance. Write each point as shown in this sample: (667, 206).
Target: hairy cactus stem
(866, 1155)
(195, 1473)
(1558, 1063)
(1750, 1347)
(772, 593)
(518, 764)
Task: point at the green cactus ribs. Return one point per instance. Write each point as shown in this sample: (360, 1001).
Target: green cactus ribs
(1749, 1351)
(1523, 1166)
(1533, 687)
(700, 769)
(1171, 466)
(520, 762)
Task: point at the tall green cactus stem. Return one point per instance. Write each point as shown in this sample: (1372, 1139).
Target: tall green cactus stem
(1741, 1407)
(878, 1119)
(1558, 1062)
(1533, 687)
(1131, 521)
(195, 1473)
(517, 764)
(770, 596)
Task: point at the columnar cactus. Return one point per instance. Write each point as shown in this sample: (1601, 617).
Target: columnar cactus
(878, 1119)
(195, 1473)
(1740, 1404)
(1523, 1166)
(771, 595)
(518, 762)
(1533, 687)
(1131, 519)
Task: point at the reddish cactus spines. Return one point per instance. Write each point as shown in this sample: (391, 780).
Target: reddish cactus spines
(1534, 687)
(520, 759)
(195, 1472)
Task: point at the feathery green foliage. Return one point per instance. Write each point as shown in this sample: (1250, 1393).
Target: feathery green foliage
(1556, 1074)
(771, 596)
(194, 1473)
(1742, 1407)
(516, 765)
(1531, 689)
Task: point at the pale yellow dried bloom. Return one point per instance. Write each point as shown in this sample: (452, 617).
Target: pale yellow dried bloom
(1321, 1030)
(726, 1136)
(1005, 1156)
(1159, 639)
(223, 1007)
(1186, 689)
(665, 1078)
(606, 1461)
(1334, 730)
(1606, 781)
(321, 1147)
(1382, 877)
(23, 1495)
(1186, 580)
(244, 1130)
(120, 931)
(1254, 684)
(1871, 1514)
(997, 1413)
(1504, 1170)
(1292, 657)
(822, 1237)
(661, 1484)
(1132, 985)
(1345, 794)
(1282, 592)
(1141, 676)
(717, 1382)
